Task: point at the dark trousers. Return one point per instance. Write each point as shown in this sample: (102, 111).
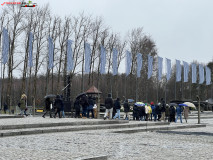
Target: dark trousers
(77, 113)
(57, 111)
(84, 112)
(48, 111)
(88, 111)
(172, 118)
(154, 116)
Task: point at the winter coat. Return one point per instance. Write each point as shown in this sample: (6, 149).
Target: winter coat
(157, 109)
(141, 111)
(91, 103)
(126, 107)
(117, 104)
(47, 104)
(153, 109)
(84, 102)
(167, 111)
(179, 110)
(172, 110)
(163, 106)
(108, 103)
(186, 112)
(22, 104)
(59, 104)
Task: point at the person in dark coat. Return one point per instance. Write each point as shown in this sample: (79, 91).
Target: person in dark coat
(47, 107)
(158, 111)
(126, 110)
(84, 104)
(141, 113)
(5, 107)
(58, 105)
(90, 107)
(163, 109)
(117, 105)
(109, 106)
(135, 112)
(172, 114)
(77, 108)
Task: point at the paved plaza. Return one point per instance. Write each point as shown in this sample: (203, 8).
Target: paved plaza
(178, 144)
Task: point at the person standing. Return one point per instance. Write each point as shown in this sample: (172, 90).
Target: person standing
(90, 107)
(5, 107)
(48, 103)
(126, 109)
(22, 104)
(58, 105)
(109, 106)
(77, 108)
(163, 109)
(117, 105)
(172, 113)
(84, 104)
(153, 112)
(179, 113)
(135, 112)
(186, 113)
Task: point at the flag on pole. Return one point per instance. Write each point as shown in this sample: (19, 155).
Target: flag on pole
(194, 73)
(150, 68)
(160, 67)
(69, 56)
(103, 60)
(168, 67)
(208, 76)
(139, 64)
(128, 62)
(30, 50)
(186, 71)
(87, 58)
(51, 50)
(178, 71)
(115, 62)
(5, 46)
(201, 74)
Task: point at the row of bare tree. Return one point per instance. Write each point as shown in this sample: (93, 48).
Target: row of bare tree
(17, 77)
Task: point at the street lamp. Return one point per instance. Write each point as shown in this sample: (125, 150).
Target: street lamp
(198, 99)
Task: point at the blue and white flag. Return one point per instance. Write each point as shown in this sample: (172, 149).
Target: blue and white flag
(30, 50)
(51, 50)
(69, 56)
(103, 60)
(87, 58)
(208, 76)
(160, 68)
(201, 74)
(186, 71)
(128, 62)
(115, 62)
(178, 71)
(5, 46)
(194, 73)
(139, 64)
(150, 68)
(168, 68)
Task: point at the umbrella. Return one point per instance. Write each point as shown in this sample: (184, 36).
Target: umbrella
(173, 104)
(182, 104)
(189, 104)
(80, 95)
(139, 104)
(50, 96)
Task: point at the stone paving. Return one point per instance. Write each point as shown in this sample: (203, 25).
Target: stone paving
(175, 144)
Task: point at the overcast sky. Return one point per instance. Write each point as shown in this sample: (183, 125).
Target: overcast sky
(182, 29)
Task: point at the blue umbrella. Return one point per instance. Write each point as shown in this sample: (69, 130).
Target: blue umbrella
(139, 104)
(182, 104)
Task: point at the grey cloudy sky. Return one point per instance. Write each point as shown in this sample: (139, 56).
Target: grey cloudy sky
(182, 29)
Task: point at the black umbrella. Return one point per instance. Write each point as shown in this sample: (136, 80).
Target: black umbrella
(50, 96)
(173, 104)
(80, 95)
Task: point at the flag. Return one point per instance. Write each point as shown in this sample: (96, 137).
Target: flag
(208, 76)
(128, 62)
(150, 68)
(30, 50)
(51, 50)
(69, 56)
(115, 62)
(5, 46)
(194, 73)
(160, 67)
(87, 58)
(201, 74)
(139, 64)
(168, 66)
(178, 71)
(103, 60)
(186, 71)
